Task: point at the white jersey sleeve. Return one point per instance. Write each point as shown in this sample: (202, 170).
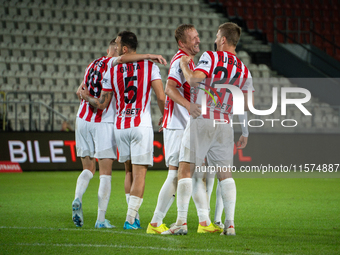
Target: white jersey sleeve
(204, 64)
(106, 83)
(175, 73)
(156, 73)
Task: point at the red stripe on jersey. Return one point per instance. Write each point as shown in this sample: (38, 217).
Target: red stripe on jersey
(128, 107)
(130, 114)
(139, 104)
(98, 116)
(83, 109)
(89, 113)
(177, 81)
(93, 75)
(230, 70)
(246, 72)
(211, 54)
(120, 84)
(186, 91)
(168, 110)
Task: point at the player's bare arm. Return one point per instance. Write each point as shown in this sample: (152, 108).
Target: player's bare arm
(172, 91)
(193, 78)
(100, 103)
(246, 108)
(126, 58)
(80, 89)
(157, 86)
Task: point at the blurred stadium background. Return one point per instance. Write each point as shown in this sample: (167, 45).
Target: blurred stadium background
(46, 46)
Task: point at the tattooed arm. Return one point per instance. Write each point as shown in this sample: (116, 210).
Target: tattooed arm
(100, 103)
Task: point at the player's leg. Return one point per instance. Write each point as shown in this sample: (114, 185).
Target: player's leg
(165, 199)
(128, 179)
(127, 186)
(219, 207)
(140, 142)
(224, 158)
(136, 194)
(184, 190)
(219, 201)
(104, 192)
(200, 197)
(85, 150)
(89, 169)
(106, 152)
(172, 142)
(228, 192)
(210, 181)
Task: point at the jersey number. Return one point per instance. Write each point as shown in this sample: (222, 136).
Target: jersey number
(223, 81)
(130, 88)
(94, 79)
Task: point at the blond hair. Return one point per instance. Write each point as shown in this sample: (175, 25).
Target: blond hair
(231, 31)
(180, 32)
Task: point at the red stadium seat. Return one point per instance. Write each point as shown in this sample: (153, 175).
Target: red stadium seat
(269, 9)
(306, 10)
(287, 9)
(297, 9)
(270, 36)
(278, 9)
(280, 23)
(249, 8)
(230, 8)
(240, 9)
(259, 23)
(250, 21)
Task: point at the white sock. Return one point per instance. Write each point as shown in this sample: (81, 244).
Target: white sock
(184, 190)
(219, 204)
(137, 214)
(199, 195)
(104, 193)
(228, 190)
(165, 198)
(82, 183)
(127, 196)
(210, 181)
(133, 207)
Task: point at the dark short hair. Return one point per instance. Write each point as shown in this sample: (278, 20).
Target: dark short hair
(113, 41)
(231, 31)
(129, 40)
(180, 32)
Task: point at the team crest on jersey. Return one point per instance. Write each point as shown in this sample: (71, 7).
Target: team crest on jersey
(204, 62)
(105, 80)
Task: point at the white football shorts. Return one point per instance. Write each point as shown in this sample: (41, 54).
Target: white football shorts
(172, 144)
(135, 144)
(201, 138)
(95, 139)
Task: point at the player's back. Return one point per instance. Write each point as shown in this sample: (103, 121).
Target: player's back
(93, 78)
(221, 67)
(175, 115)
(131, 84)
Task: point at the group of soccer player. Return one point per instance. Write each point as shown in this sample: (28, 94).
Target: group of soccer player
(115, 113)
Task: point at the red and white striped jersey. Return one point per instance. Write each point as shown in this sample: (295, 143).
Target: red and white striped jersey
(93, 78)
(131, 86)
(221, 67)
(175, 115)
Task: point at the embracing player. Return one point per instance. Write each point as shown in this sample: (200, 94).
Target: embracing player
(201, 137)
(131, 84)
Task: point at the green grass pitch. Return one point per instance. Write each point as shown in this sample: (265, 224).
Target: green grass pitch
(273, 216)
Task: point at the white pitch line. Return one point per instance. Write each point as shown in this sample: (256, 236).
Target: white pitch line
(169, 238)
(91, 230)
(138, 247)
